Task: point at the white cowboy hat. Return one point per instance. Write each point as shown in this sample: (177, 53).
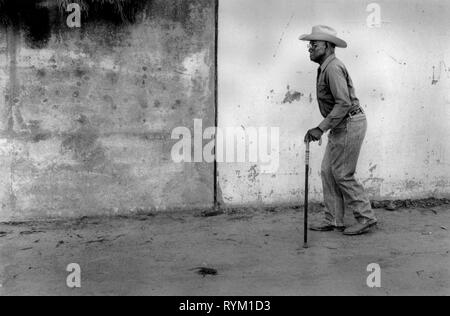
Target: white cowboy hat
(324, 33)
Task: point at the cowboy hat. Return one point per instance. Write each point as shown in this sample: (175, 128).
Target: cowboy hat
(324, 33)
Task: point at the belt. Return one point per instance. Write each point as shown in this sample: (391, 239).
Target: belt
(354, 112)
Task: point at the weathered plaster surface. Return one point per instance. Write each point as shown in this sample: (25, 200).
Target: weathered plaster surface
(86, 119)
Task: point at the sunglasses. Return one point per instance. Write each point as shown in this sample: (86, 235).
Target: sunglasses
(313, 45)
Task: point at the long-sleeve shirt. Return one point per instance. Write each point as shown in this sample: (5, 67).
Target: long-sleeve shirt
(335, 93)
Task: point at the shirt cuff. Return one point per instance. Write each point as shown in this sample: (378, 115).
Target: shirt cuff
(324, 125)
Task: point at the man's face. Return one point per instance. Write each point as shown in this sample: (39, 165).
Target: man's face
(317, 50)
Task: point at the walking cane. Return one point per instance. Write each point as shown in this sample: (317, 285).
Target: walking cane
(305, 232)
(305, 228)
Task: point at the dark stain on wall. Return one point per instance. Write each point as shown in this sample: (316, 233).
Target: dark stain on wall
(29, 17)
(116, 12)
(292, 96)
(37, 19)
(37, 26)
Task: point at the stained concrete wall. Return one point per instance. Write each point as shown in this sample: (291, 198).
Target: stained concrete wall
(87, 114)
(402, 77)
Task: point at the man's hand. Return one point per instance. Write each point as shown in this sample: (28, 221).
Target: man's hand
(313, 135)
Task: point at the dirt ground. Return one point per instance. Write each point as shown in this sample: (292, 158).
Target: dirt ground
(255, 252)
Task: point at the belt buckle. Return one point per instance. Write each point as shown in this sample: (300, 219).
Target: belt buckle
(350, 115)
(356, 112)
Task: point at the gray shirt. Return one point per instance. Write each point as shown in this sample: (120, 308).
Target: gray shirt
(335, 93)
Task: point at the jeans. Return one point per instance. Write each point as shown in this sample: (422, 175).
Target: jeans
(340, 188)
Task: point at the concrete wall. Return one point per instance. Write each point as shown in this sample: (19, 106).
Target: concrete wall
(402, 77)
(87, 114)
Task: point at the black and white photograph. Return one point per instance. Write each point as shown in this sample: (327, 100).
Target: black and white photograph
(224, 153)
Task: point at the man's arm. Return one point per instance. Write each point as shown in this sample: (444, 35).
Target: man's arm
(339, 88)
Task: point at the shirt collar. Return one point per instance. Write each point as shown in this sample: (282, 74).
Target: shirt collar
(327, 61)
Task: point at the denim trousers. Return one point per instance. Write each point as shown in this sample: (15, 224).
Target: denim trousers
(341, 190)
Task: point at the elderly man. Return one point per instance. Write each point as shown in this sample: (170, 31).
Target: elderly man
(346, 121)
